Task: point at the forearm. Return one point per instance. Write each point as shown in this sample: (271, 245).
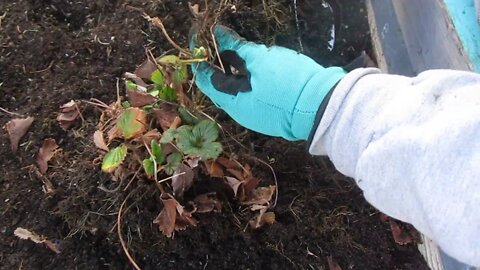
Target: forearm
(412, 146)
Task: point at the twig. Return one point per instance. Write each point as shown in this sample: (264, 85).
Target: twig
(11, 113)
(217, 52)
(45, 69)
(131, 180)
(2, 17)
(119, 231)
(274, 178)
(118, 91)
(157, 22)
(168, 178)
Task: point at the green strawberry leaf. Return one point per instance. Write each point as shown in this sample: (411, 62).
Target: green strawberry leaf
(149, 167)
(206, 130)
(168, 136)
(173, 162)
(187, 117)
(157, 77)
(157, 152)
(114, 158)
(210, 150)
(180, 75)
(200, 140)
(167, 93)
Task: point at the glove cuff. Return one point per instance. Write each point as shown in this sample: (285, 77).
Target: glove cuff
(314, 92)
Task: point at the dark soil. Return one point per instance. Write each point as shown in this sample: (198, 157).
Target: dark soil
(53, 51)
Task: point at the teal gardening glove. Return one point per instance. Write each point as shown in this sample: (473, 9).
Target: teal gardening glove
(278, 92)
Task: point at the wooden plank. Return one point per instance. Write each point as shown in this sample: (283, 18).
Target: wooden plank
(430, 36)
(389, 47)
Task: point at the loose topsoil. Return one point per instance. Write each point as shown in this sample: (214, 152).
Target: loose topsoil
(53, 51)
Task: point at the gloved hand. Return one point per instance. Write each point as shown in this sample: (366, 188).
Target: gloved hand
(275, 91)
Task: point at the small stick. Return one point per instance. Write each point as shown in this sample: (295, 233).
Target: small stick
(157, 22)
(45, 69)
(9, 112)
(274, 177)
(217, 52)
(119, 231)
(168, 178)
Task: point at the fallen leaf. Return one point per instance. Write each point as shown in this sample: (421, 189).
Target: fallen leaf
(146, 69)
(148, 137)
(234, 183)
(28, 235)
(214, 169)
(182, 180)
(46, 153)
(228, 163)
(139, 98)
(16, 129)
(38, 239)
(137, 80)
(236, 173)
(132, 122)
(400, 236)
(68, 114)
(167, 217)
(208, 202)
(184, 220)
(165, 115)
(250, 184)
(113, 133)
(99, 141)
(333, 265)
(192, 161)
(263, 217)
(260, 196)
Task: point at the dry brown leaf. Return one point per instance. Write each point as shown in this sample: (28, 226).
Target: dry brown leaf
(148, 137)
(250, 184)
(38, 239)
(68, 114)
(139, 98)
(236, 173)
(137, 80)
(182, 180)
(400, 236)
(207, 203)
(234, 183)
(228, 163)
(333, 265)
(214, 169)
(28, 235)
(167, 217)
(99, 141)
(16, 129)
(263, 217)
(165, 115)
(46, 153)
(184, 220)
(113, 133)
(260, 196)
(146, 69)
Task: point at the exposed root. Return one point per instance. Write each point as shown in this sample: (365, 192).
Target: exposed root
(119, 231)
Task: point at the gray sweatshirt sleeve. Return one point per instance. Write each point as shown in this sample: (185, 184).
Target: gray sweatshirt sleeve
(413, 147)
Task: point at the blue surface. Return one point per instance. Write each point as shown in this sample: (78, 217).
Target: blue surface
(464, 18)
